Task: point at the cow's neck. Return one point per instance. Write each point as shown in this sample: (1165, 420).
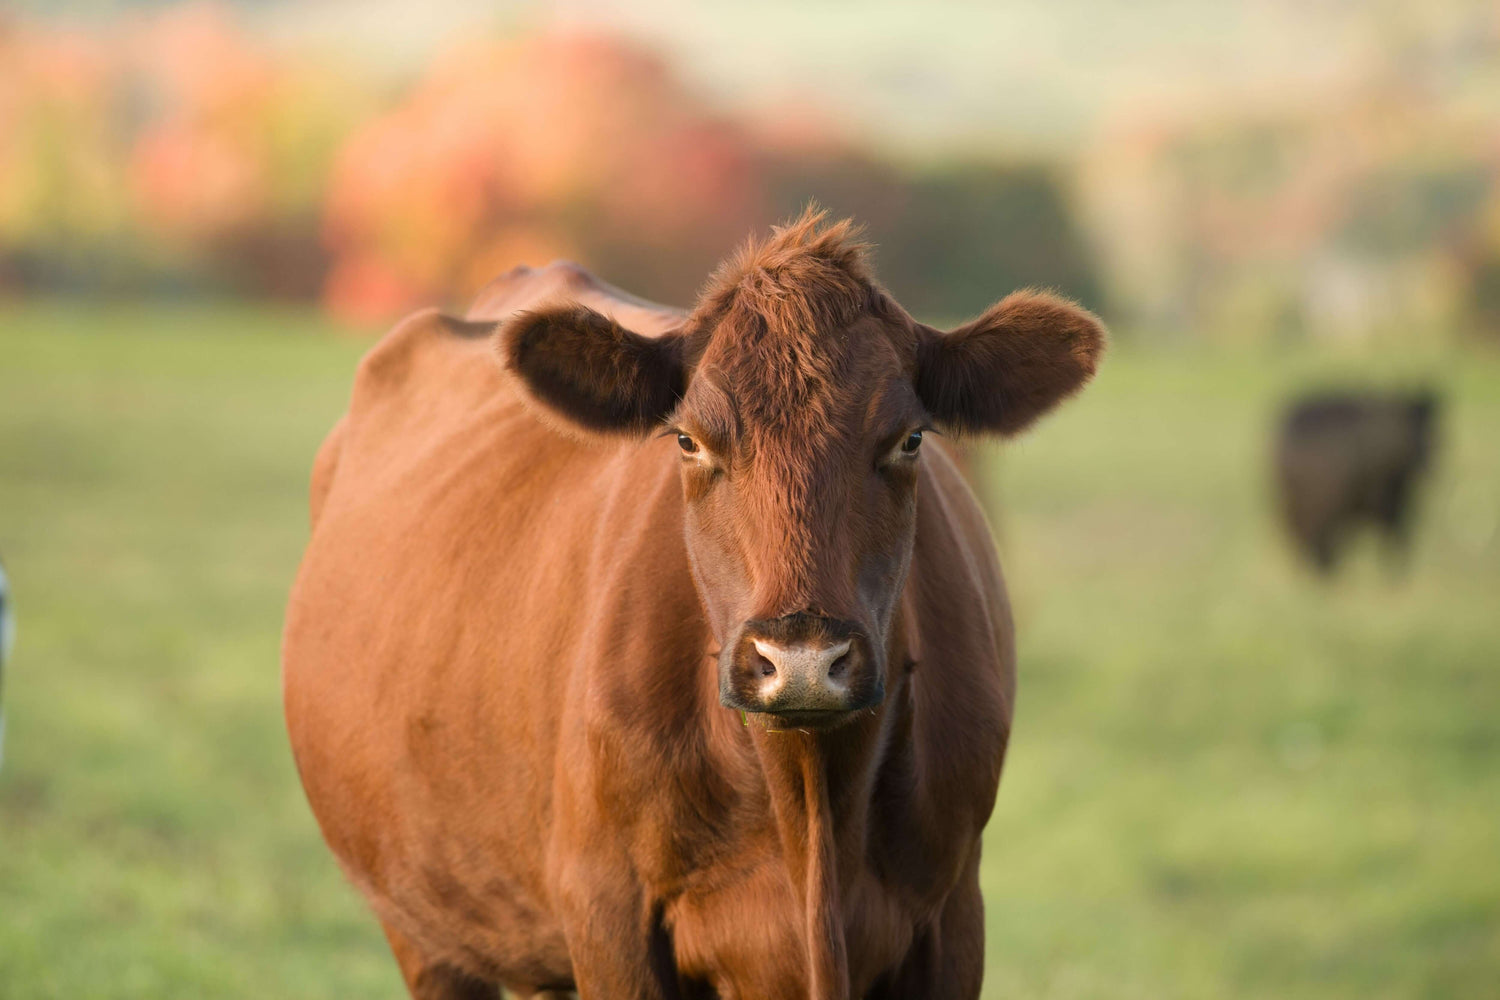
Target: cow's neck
(820, 787)
(797, 776)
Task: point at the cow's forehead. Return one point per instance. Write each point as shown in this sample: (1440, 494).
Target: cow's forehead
(817, 386)
(792, 337)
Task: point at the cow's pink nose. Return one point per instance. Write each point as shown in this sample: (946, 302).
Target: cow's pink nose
(804, 668)
(804, 664)
(801, 675)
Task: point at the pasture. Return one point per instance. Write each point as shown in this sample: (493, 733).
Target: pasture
(1228, 779)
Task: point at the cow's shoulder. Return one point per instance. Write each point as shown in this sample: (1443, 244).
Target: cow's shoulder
(961, 635)
(431, 348)
(564, 281)
(424, 347)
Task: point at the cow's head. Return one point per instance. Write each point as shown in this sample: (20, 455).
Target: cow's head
(799, 395)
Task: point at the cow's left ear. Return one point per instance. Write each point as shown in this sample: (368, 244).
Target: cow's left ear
(999, 373)
(588, 370)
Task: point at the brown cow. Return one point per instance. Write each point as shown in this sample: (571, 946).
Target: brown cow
(650, 654)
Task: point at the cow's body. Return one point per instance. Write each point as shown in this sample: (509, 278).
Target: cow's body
(496, 685)
(648, 654)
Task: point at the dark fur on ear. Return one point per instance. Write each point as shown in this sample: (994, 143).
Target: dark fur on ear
(999, 373)
(588, 370)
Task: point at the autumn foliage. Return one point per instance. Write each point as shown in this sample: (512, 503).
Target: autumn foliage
(180, 153)
(173, 151)
(525, 150)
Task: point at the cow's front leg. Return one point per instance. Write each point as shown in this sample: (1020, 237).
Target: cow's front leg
(429, 980)
(960, 970)
(947, 960)
(618, 946)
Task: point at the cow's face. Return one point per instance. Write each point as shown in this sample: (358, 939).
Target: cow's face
(799, 470)
(798, 399)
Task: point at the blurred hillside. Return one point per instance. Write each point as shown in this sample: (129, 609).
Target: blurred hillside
(1239, 171)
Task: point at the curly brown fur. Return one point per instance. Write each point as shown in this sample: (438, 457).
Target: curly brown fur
(809, 275)
(778, 314)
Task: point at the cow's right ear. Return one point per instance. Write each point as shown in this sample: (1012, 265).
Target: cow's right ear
(591, 372)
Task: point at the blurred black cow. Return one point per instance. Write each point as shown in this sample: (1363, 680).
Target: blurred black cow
(1352, 457)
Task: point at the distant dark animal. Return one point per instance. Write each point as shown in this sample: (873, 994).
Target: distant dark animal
(655, 655)
(1346, 459)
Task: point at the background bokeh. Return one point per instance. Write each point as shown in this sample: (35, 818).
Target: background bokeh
(1229, 777)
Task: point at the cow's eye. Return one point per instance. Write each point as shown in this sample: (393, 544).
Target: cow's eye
(687, 444)
(903, 452)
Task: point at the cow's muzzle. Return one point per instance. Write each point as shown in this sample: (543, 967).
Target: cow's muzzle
(805, 669)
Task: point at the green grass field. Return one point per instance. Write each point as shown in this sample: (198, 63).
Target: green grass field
(1227, 779)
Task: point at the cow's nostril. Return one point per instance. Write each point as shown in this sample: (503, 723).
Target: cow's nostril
(839, 666)
(767, 668)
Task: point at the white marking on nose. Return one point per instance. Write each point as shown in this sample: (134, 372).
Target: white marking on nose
(801, 664)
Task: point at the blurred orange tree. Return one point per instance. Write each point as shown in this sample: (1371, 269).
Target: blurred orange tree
(181, 153)
(529, 149)
(234, 150)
